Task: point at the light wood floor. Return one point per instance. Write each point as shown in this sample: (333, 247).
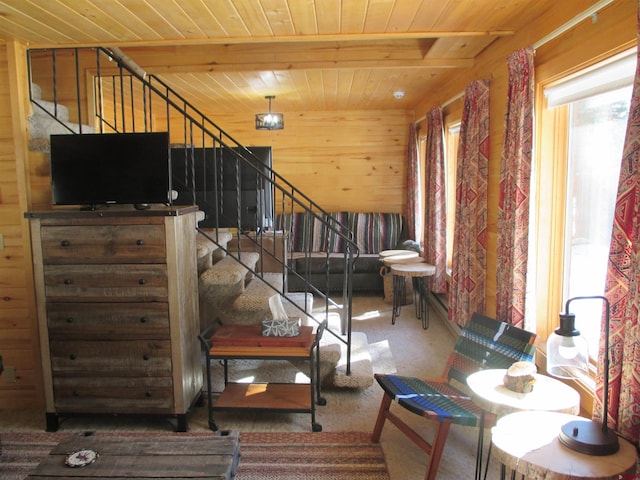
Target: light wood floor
(404, 347)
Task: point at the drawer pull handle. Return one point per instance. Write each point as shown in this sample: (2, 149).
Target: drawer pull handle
(147, 394)
(139, 242)
(69, 319)
(143, 319)
(65, 243)
(142, 281)
(68, 281)
(145, 357)
(72, 356)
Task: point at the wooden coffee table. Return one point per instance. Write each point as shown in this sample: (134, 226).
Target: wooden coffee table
(166, 457)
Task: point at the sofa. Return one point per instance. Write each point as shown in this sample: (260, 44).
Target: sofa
(317, 249)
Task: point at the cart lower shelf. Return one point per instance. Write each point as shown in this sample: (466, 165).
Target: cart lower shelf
(290, 397)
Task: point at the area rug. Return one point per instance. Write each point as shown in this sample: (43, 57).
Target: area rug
(263, 455)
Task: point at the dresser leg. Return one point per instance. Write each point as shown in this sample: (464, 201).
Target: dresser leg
(53, 422)
(182, 425)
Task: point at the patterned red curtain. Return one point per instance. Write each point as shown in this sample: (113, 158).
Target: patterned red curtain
(622, 289)
(515, 180)
(470, 237)
(413, 183)
(435, 229)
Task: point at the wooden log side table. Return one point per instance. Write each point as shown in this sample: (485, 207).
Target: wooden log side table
(528, 444)
(490, 394)
(213, 457)
(549, 394)
(418, 273)
(392, 257)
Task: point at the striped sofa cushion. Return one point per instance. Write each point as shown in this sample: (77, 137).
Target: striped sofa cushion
(372, 231)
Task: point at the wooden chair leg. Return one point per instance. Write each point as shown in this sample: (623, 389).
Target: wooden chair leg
(439, 440)
(382, 416)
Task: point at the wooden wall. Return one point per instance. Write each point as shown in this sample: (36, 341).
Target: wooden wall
(18, 331)
(344, 160)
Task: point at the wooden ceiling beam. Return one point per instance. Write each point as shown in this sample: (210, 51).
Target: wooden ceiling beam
(349, 37)
(310, 65)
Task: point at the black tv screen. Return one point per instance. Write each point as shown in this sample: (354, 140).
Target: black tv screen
(110, 168)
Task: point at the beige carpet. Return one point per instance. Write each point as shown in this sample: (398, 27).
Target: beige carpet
(404, 347)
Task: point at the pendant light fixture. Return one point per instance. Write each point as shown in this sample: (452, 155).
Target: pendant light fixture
(269, 121)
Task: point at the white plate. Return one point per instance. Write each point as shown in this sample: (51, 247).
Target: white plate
(81, 458)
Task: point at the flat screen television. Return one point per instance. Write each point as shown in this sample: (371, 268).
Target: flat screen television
(207, 177)
(110, 168)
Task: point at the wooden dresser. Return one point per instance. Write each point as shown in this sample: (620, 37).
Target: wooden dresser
(117, 299)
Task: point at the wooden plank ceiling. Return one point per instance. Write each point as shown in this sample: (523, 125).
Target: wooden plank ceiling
(310, 54)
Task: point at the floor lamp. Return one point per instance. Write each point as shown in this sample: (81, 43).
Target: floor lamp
(567, 357)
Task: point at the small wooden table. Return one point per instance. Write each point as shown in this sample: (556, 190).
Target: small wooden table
(235, 342)
(418, 273)
(549, 394)
(490, 394)
(167, 456)
(527, 443)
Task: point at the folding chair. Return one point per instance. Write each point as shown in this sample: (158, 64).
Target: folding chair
(483, 344)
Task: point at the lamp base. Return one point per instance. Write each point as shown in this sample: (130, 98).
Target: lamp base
(588, 437)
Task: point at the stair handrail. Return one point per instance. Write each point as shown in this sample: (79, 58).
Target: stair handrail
(193, 115)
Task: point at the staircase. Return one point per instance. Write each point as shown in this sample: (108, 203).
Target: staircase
(232, 287)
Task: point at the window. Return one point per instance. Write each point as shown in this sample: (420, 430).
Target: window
(582, 137)
(452, 137)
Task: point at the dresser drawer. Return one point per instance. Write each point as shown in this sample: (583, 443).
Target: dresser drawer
(113, 395)
(130, 358)
(113, 321)
(117, 283)
(103, 244)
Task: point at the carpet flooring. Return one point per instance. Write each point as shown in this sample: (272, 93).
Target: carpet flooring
(263, 455)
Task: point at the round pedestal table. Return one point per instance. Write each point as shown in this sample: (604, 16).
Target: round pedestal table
(528, 444)
(418, 273)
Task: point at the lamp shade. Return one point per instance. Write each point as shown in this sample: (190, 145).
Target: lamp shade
(567, 350)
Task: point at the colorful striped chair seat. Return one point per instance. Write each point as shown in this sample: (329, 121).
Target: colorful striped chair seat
(483, 344)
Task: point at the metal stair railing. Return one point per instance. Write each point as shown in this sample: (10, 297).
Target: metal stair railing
(122, 98)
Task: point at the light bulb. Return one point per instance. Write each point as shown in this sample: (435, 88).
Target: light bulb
(568, 348)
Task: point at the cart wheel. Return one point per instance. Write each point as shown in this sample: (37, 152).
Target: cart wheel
(213, 426)
(316, 427)
(322, 401)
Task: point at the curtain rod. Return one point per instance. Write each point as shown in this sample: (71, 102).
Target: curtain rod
(445, 104)
(589, 12)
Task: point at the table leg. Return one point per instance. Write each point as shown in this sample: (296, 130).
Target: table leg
(399, 297)
(424, 297)
(480, 448)
(212, 424)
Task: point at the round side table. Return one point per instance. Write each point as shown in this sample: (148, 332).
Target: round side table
(490, 394)
(418, 272)
(527, 443)
(548, 394)
(392, 257)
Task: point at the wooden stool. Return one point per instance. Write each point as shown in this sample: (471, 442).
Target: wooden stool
(392, 257)
(418, 272)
